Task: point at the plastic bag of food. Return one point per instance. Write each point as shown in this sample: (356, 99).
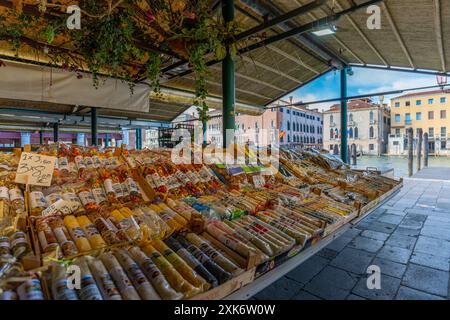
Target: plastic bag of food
(92, 234)
(119, 276)
(107, 229)
(105, 282)
(128, 225)
(175, 279)
(137, 277)
(77, 233)
(37, 202)
(46, 237)
(30, 290)
(89, 289)
(62, 235)
(159, 282)
(60, 289)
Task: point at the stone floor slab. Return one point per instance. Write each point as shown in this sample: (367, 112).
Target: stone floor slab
(307, 270)
(390, 268)
(405, 293)
(366, 244)
(353, 260)
(395, 254)
(305, 296)
(375, 235)
(431, 261)
(426, 279)
(436, 232)
(390, 218)
(283, 289)
(433, 246)
(389, 288)
(401, 241)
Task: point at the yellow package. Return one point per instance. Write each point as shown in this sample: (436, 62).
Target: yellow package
(128, 224)
(175, 279)
(182, 267)
(77, 233)
(92, 234)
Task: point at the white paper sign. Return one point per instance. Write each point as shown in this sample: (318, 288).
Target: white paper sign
(259, 181)
(63, 206)
(35, 169)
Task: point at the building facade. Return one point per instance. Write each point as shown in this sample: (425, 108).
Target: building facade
(293, 125)
(368, 127)
(428, 111)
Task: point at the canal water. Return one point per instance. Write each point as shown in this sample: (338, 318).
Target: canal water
(398, 163)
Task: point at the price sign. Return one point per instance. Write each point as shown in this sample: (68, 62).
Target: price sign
(35, 169)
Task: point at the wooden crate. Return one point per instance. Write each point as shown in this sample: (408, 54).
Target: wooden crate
(228, 287)
(367, 208)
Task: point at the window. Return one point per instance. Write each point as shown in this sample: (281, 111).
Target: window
(397, 118)
(288, 111)
(397, 131)
(407, 118)
(288, 127)
(430, 101)
(371, 132)
(443, 114)
(430, 115)
(430, 132)
(371, 116)
(331, 134)
(397, 104)
(256, 125)
(350, 117)
(443, 100)
(418, 102)
(331, 120)
(289, 138)
(418, 115)
(281, 110)
(407, 103)
(243, 126)
(272, 109)
(271, 124)
(443, 132)
(350, 133)
(371, 147)
(443, 144)
(356, 133)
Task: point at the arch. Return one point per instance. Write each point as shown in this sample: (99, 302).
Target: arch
(371, 116)
(371, 132)
(356, 132)
(288, 126)
(350, 133)
(331, 133)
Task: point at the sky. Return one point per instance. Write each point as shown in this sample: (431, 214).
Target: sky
(363, 81)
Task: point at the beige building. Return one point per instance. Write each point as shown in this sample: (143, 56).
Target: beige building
(428, 111)
(368, 127)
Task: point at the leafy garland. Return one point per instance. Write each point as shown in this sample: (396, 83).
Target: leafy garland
(111, 37)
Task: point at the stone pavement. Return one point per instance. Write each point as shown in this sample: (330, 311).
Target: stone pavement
(408, 238)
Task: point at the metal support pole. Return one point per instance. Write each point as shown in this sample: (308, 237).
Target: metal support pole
(106, 140)
(41, 137)
(344, 135)
(138, 139)
(55, 132)
(205, 128)
(94, 126)
(426, 149)
(419, 150)
(410, 152)
(228, 81)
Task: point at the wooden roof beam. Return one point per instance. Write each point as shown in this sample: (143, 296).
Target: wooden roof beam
(397, 35)
(439, 35)
(270, 69)
(363, 36)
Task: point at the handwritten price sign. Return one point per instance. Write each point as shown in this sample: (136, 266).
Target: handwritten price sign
(35, 169)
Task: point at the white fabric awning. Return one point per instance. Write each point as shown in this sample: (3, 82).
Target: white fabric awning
(39, 83)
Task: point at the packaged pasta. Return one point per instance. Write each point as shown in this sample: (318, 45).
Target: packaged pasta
(93, 235)
(160, 228)
(46, 237)
(17, 201)
(30, 290)
(105, 282)
(127, 225)
(137, 277)
(62, 236)
(60, 289)
(154, 275)
(77, 233)
(192, 261)
(217, 257)
(19, 244)
(37, 203)
(181, 266)
(175, 279)
(123, 283)
(107, 230)
(257, 241)
(218, 272)
(89, 289)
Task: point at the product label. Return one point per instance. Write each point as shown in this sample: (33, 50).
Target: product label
(62, 206)
(37, 200)
(15, 194)
(73, 199)
(90, 231)
(108, 186)
(61, 234)
(86, 197)
(52, 198)
(63, 163)
(62, 292)
(99, 195)
(30, 290)
(77, 233)
(89, 162)
(108, 286)
(97, 161)
(89, 289)
(121, 279)
(117, 187)
(80, 162)
(4, 193)
(131, 186)
(150, 268)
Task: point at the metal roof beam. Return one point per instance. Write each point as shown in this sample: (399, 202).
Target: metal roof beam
(439, 36)
(270, 69)
(397, 35)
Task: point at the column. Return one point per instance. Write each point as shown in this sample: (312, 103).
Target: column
(228, 81)
(106, 140)
(344, 133)
(94, 126)
(55, 132)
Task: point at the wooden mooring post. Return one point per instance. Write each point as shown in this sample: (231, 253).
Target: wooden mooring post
(426, 149)
(419, 149)
(354, 156)
(410, 152)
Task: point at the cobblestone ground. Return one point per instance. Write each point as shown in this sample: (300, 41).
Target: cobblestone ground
(408, 238)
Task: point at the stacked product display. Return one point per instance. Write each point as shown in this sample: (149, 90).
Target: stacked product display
(139, 226)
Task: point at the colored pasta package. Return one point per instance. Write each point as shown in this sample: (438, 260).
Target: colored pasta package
(95, 239)
(30, 290)
(181, 266)
(261, 244)
(107, 230)
(17, 201)
(127, 225)
(77, 233)
(47, 238)
(154, 275)
(60, 289)
(175, 279)
(123, 283)
(219, 273)
(104, 280)
(192, 261)
(155, 222)
(137, 277)
(62, 235)
(218, 257)
(37, 203)
(89, 289)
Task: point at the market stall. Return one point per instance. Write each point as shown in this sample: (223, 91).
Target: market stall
(139, 226)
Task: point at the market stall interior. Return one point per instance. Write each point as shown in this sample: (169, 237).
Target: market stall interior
(135, 224)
